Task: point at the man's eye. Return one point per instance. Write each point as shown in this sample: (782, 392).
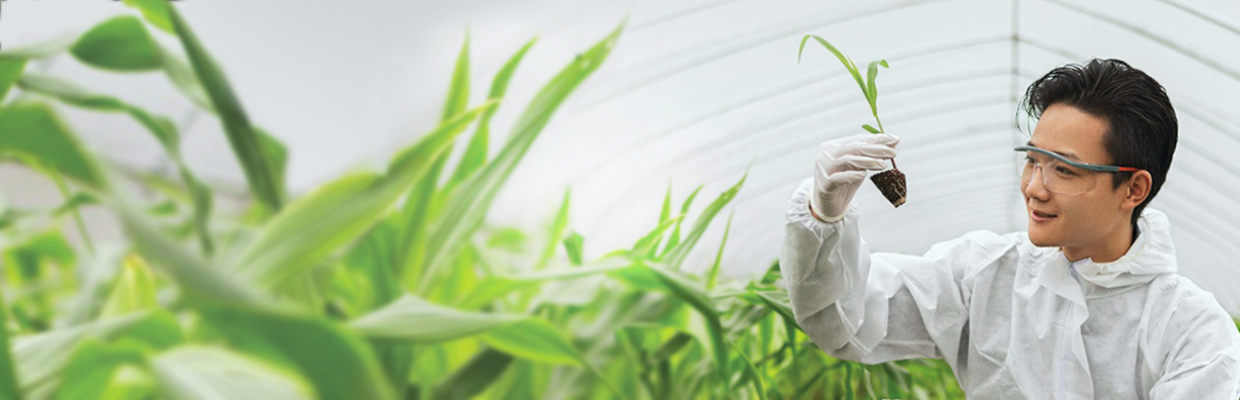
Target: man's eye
(1064, 171)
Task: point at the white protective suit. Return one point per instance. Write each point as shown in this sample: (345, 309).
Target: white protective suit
(1012, 319)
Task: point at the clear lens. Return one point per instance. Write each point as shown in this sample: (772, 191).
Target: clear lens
(1058, 177)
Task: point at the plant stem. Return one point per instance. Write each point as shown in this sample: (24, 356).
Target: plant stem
(77, 216)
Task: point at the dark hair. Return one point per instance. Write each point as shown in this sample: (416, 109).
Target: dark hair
(1141, 124)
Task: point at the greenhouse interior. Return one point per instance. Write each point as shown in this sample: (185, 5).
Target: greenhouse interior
(553, 199)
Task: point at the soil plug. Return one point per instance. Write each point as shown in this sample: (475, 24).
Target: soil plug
(890, 182)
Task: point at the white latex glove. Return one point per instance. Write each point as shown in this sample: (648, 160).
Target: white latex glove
(841, 169)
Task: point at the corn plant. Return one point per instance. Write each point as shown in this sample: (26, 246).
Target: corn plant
(892, 183)
(375, 285)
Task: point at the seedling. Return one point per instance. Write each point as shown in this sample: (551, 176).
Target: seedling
(890, 182)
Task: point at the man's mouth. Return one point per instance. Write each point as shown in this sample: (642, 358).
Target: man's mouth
(1041, 216)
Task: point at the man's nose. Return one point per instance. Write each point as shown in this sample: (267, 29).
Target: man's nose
(1036, 188)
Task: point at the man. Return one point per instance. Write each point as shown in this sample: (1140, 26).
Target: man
(1086, 304)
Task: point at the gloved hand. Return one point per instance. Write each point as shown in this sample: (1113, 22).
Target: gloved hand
(841, 169)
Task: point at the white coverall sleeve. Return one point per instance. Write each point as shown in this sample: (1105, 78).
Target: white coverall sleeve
(872, 308)
(1203, 359)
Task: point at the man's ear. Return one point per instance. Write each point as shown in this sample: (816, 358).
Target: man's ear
(1136, 190)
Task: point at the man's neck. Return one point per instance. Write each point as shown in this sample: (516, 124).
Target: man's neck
(1110, 248)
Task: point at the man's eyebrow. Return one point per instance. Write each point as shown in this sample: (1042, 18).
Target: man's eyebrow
(1067, 154)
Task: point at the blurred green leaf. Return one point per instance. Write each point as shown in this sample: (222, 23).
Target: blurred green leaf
(133, 291)
(10, 70)
(209, 373)
(573, 246)
(337, 363)
(492, 287)
(557, 231)
(93, 365)
(870, 129)
(32, 131)
(476, 152)
(413, 319)
(155, 12)
(677, 256)
(533, 339)
(338, 213)
(42, 49)
(118, 44)
(470, 204)
(42, 358)
(479, 373)
(674, 240)
(260, 172)
(8, 367)
(712, 276)
(870, 84)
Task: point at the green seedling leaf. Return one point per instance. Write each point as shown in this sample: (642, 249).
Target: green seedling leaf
(468, 209)
(260, 173)
(852, 68)
(193, 372)
(118, 44)
(870, 128)
(415, 320)
(871, 77)
(651, 240)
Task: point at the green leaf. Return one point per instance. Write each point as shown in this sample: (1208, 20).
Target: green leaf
(534, 339)
(155, 12)
(339, 212)
(133, 291)
(674, 240)
(852, 68)
(41, 50)
(33, 131)
(476, 152)
(468, 209)
(650, 241)
(870, 128)
(118, 44)
(338, 363)
(474, 377)
(93, 366)
(260, 173)
(713, 275)
(458, 92)
(573, 246)
(10, 70)
(8, 366)
(492, 287)
(557, 231)
(871, 77)
(199, 372)
(42, 358)
(647, 277)
(413, 319)
(677, 256)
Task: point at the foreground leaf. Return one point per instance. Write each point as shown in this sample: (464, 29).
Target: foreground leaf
(209, 373)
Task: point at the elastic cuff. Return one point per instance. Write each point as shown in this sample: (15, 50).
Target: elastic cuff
(817, 216)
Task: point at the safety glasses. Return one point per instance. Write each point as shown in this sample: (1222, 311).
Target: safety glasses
(1059, 174)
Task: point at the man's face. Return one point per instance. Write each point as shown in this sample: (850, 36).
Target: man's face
(1081, 221)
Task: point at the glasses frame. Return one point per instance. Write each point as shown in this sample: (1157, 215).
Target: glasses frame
(1085, 166)
(1091, 167)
